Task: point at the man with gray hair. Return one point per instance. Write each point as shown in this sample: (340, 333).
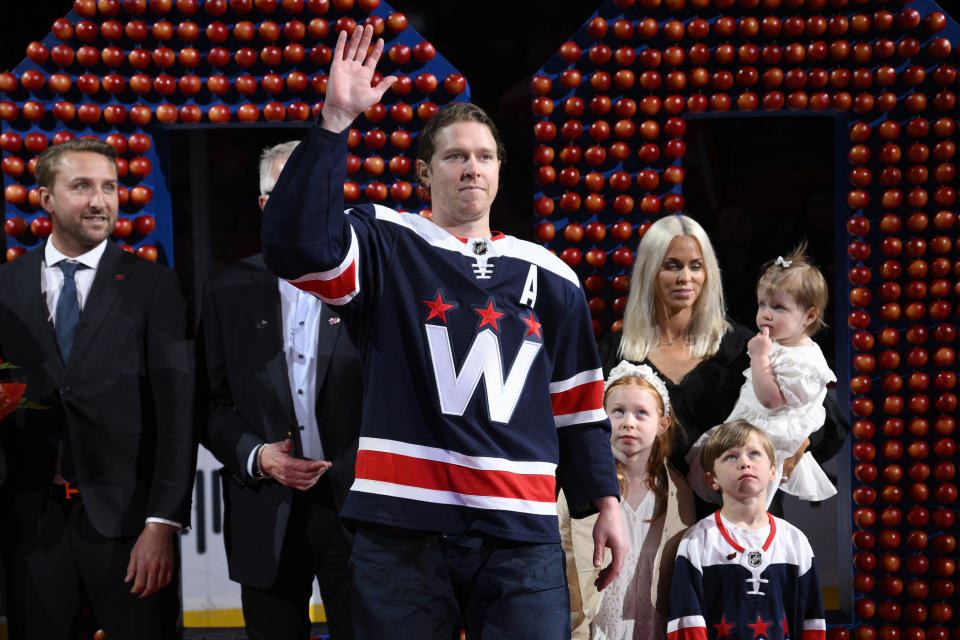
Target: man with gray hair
(280, 387)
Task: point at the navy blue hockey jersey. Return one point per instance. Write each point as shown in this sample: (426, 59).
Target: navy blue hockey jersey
(722, 590)
(482, 382)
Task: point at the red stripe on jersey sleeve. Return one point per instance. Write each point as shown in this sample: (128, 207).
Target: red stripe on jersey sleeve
(814, 634)
(441, 476)
(688, 633)
(339, 286)
(583, 397)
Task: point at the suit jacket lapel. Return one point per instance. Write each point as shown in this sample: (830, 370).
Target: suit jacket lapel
(268, 337)
(107, 287)
(33, 309)
(327, 334)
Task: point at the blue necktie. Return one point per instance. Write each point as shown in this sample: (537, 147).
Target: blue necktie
(68, 308)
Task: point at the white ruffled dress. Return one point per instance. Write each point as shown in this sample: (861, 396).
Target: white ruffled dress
(802, 374)
(626, 611)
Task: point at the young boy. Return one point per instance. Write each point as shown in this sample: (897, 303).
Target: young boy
(742, 573)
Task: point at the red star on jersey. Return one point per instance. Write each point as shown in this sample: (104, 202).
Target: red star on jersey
(786, 631)
(759, 627)
(532, 326)
(438, 309)
(489, 316)
(723, 629)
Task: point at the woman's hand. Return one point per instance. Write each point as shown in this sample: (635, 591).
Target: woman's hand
(791, 463)
(349, 87)
(760, 345)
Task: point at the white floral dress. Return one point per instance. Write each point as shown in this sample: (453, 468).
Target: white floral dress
(626, 611)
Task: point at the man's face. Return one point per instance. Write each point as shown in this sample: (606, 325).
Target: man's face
(82, 202)
(463, 174)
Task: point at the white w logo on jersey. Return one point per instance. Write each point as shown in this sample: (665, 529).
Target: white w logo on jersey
(484, 359)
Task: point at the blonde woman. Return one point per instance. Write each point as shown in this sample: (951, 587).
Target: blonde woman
(675, 321)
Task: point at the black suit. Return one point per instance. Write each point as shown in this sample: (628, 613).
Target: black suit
(245, 385)
(122, 402)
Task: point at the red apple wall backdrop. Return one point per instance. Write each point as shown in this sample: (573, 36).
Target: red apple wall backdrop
(610, 107)
(126, 71)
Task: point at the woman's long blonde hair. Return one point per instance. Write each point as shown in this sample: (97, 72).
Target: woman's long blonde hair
(708, 323)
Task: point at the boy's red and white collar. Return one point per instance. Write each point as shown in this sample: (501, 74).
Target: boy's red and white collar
(733, 543)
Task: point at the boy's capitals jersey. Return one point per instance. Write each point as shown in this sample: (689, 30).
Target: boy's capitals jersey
(722, 590)
(482, 382)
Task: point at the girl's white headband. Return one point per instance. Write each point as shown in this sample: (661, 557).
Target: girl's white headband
(625, 369)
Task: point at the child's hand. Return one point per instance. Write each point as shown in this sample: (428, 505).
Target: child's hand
(760, 344)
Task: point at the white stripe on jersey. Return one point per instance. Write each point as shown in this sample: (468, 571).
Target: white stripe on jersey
(451, 498)
(482, 463)
(351, 260)
(581, 417)
(686, 622)
(581, 378)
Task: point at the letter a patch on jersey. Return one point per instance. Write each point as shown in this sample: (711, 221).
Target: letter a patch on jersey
(484, 359)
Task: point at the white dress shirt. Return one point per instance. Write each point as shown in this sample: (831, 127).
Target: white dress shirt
(300, 319)
(51, 282)
(301, 322)
(51, 277)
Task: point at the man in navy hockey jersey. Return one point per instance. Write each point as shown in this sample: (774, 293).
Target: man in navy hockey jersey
(454, 497)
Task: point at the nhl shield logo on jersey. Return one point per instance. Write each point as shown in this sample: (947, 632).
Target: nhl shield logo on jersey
(754, 558)
(479, 247)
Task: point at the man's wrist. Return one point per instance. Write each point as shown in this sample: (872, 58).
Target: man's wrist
(606, 502)
(162, 524)
(334, 121)
(258, 471)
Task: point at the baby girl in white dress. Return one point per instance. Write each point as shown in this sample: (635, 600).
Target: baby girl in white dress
(787, 379)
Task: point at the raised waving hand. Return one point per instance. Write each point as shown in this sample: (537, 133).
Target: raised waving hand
(349, 86)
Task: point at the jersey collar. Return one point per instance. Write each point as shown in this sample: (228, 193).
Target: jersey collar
(496, 235)
(733, 543)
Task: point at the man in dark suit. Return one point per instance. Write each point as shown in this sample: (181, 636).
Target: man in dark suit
(283, 395)
(98, 483)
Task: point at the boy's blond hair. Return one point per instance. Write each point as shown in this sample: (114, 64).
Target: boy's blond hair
(799, 277)
(733, 434)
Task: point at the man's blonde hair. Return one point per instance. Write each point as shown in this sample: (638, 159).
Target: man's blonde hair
(48, 163)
